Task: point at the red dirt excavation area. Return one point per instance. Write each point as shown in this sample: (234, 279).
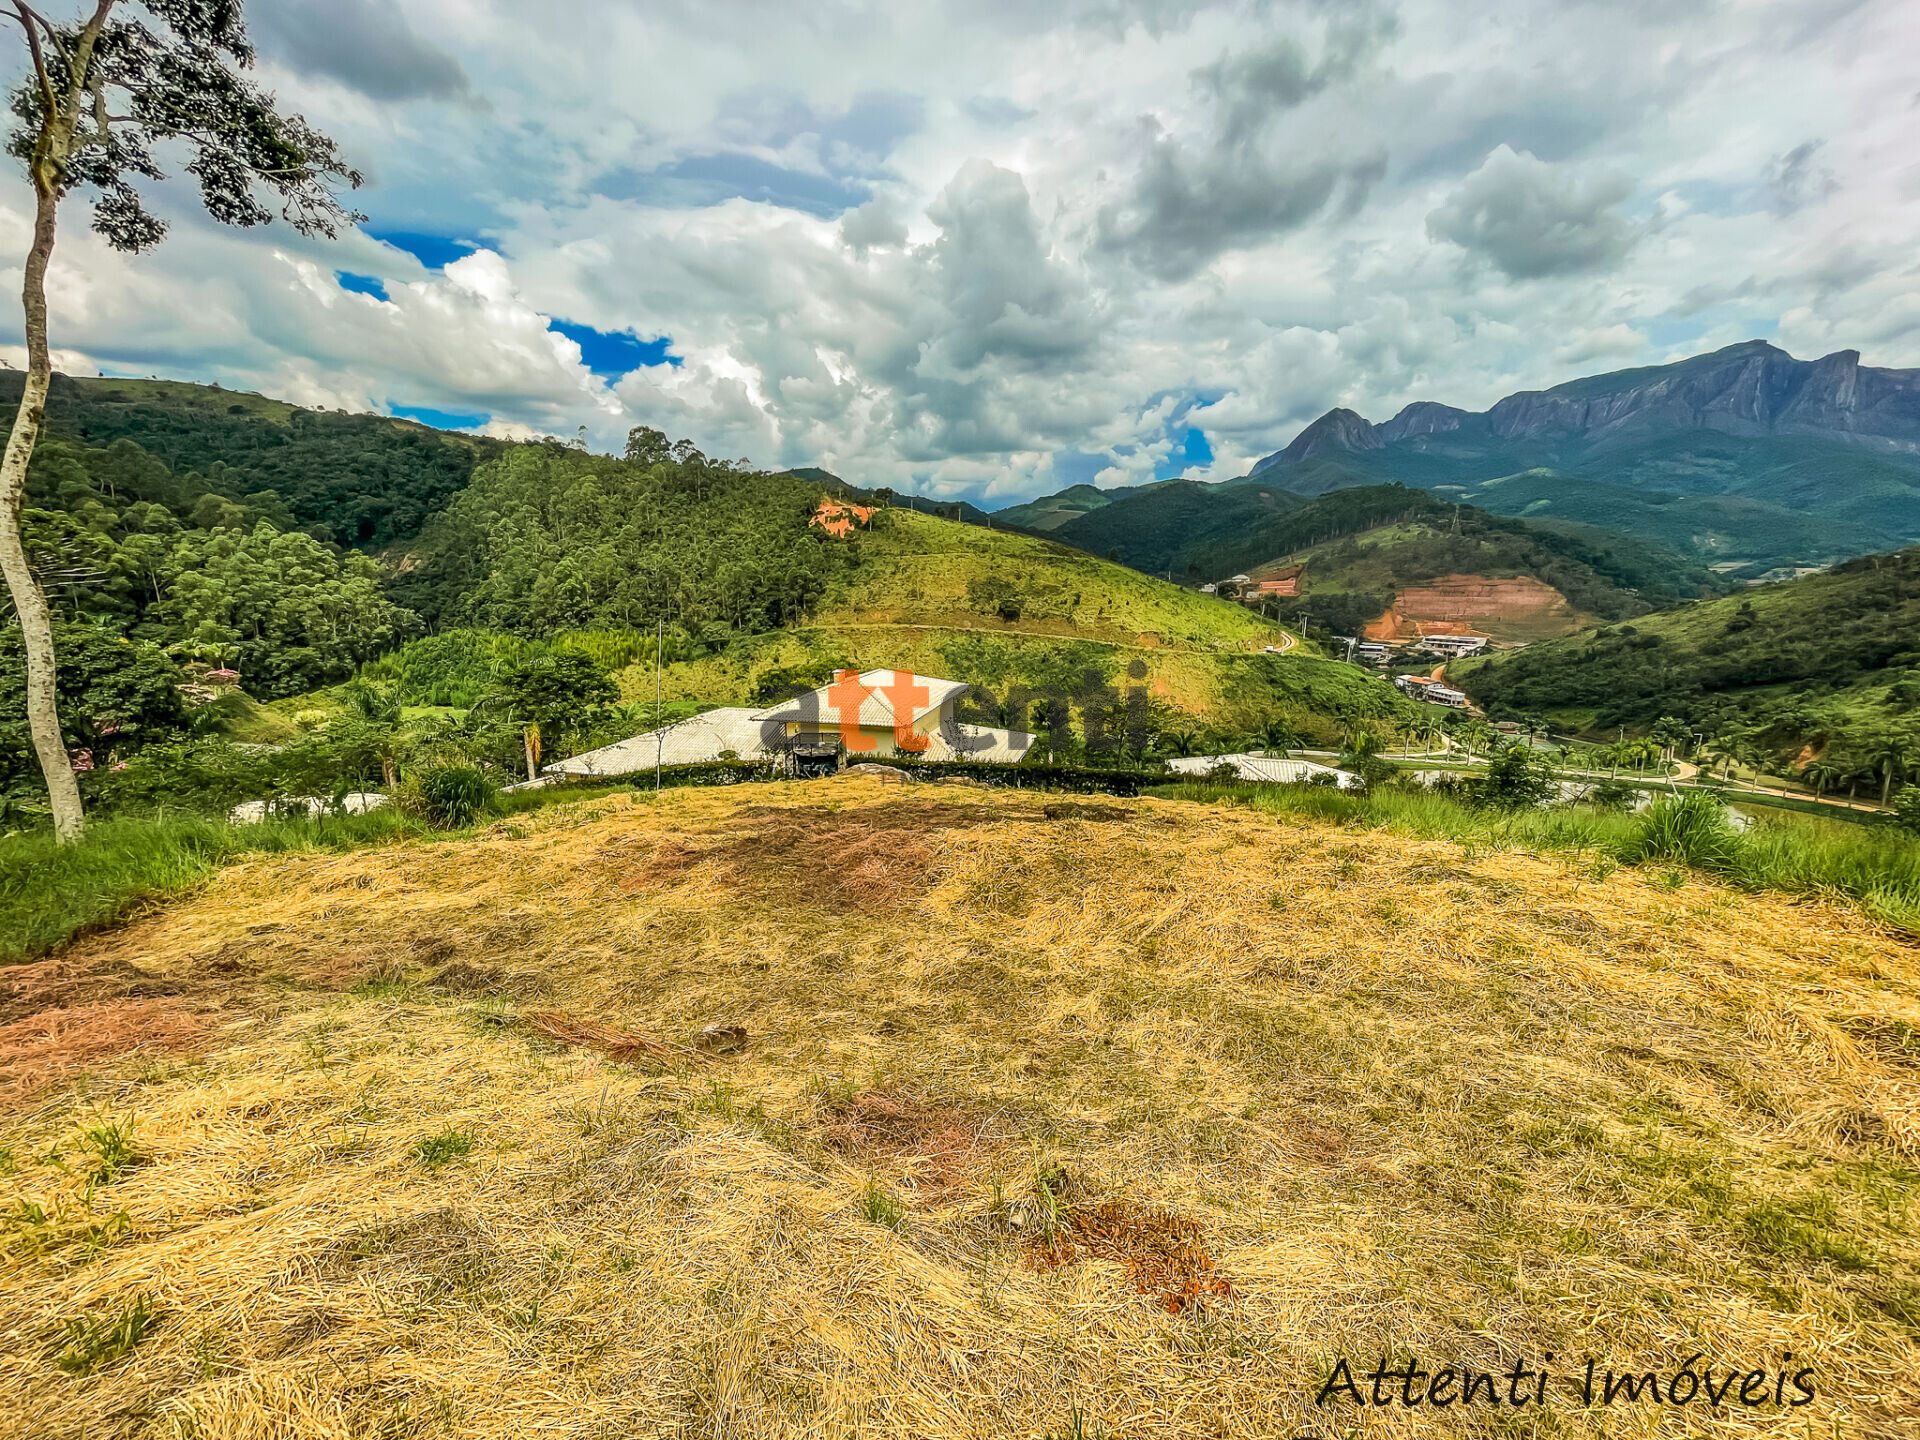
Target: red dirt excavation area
(1521, 608)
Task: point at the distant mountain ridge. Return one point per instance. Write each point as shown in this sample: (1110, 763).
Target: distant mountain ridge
(1748, 459)
(1750, 389)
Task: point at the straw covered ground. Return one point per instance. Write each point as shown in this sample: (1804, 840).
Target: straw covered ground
(1049, 1117)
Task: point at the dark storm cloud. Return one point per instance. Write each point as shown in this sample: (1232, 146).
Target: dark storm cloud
(366, 45)
(1797, 179)
(1186, 209)
(999, 316)
(1532, 220)
(1246, 182)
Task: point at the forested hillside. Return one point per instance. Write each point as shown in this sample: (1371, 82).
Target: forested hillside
(360, 480)
(1827, 660)
(1363, 544)
(551, 538)
(761, 604)
(1168, 528)
(121, 541)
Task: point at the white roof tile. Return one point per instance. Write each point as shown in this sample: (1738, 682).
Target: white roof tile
(1273, 769)
(685, 742)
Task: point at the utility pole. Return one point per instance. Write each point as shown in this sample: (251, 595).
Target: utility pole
(659, 738)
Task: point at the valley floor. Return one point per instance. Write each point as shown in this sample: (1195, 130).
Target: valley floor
(1054, 1118)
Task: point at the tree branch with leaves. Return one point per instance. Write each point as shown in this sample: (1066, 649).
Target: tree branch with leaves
(105, 91)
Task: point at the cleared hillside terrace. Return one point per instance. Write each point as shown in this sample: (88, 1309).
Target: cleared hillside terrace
(1054, 1117)
(996, 608)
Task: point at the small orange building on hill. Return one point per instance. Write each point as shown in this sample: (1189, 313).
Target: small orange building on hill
(839, 519)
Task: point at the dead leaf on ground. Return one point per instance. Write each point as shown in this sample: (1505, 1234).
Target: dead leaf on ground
(1160, 1252)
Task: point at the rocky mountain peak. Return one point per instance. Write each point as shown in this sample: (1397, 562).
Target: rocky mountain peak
(1423, 417)
(1339, 431)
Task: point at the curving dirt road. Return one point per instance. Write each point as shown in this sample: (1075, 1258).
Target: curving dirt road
(1287, 638)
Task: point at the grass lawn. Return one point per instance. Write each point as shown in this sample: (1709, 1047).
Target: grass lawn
(1131, 1118)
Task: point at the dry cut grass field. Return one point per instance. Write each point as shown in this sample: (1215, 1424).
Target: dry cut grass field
(1051, 1117)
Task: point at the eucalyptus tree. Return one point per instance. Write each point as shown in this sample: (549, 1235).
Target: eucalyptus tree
(105, 91)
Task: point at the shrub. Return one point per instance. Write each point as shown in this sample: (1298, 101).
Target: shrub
(453, 796)
(1906, 809)
(1518, 778)
(202, 776)
(1612, 795)
(1690, 829)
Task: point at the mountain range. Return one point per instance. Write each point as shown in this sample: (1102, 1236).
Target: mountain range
(1746, 459)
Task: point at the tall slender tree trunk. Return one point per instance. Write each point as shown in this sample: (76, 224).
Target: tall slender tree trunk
(29, 602)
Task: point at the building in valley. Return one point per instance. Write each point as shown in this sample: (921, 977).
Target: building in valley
(875, 715)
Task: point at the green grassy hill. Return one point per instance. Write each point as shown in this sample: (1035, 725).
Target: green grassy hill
(1050, 512)
(1013, 613)
(1805, 661)
(1020, 616)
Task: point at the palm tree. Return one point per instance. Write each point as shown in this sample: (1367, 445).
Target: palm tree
(1275, 735)
(1730, 749)
(380, 707)
(1889, 753)
(1670, 733)
(1821, 772)
(1180, 742)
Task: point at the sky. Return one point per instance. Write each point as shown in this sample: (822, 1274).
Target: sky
(990, 248)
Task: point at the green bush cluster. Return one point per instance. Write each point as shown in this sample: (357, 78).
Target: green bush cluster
(451, 796)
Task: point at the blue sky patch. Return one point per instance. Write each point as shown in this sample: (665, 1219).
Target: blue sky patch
(433, 251)
(613, 353)
(1188, 453)
(361, 284)
(701, 180)
(440, 419)
(1077, 467)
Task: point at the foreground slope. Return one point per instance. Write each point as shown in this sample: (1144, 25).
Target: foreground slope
(1125, 1119)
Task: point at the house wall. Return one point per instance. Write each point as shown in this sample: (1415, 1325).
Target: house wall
(883, 736)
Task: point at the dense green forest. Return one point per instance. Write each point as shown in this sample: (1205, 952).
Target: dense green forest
(119, 540)
(359, 480)
(1830, 661)
(550, 538)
